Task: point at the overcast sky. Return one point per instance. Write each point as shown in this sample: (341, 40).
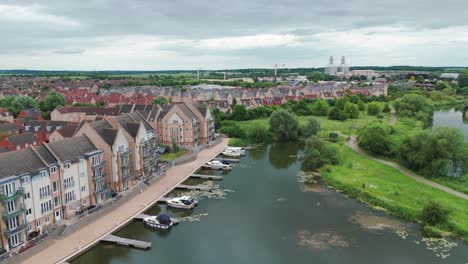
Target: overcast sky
(221, 34)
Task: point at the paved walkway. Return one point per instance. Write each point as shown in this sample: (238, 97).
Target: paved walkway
(352, 143)
(75, 243)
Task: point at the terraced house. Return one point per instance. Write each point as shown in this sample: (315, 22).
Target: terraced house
(61, 179)
(117, 151)
(187, 125)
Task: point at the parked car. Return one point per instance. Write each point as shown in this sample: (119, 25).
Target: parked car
(163, 150)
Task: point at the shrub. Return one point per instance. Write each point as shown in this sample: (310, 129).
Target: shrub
(433, 214)
(258, 134)
(337, 114)
(312, 127)
(374, 108)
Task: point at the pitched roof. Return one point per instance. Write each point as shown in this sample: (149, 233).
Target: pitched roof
(71, 149)
(105, 130)
(22, 139)
(8, 127)
(12, 163)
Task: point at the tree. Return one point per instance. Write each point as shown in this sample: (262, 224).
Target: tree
(320, 108)
(52, 101)
(234, 102)
(258, 134)
(337, 114)
(312, 127)
(161, 101)
(240, 113)
(463, 79)
(354, 99)
(441, 152)
(340, 103)
(386, 108)
(416, 106)
(375, 138)
(318, 153)
(361, 106)
(374, 108)
(351, 110)
(20, 103)
(433, 214)
(284, 125)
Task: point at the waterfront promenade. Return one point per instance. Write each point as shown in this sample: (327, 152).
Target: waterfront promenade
(80, 240)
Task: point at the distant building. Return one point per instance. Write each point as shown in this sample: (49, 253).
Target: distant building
(330, 69)
(452, 76)
(343, 68)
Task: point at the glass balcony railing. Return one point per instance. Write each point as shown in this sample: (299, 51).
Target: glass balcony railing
(7, 215)
(14, 230)
(19, 192)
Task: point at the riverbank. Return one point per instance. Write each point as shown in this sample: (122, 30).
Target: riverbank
(385, 187)
(79, 241)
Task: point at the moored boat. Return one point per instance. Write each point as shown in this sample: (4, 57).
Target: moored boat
(241, 150)
(231, 153)
(162, 221)
(218, 165)
(184, 202)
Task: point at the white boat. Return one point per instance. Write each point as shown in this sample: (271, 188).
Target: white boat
(217, 165)
(184, 202)
(238, 149)
(231, 153)
(161, 221)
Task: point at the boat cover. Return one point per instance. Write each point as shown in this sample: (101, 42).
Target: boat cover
(164, 219)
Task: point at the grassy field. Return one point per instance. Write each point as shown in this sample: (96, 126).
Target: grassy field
(326, 124)
(168, 157)
(388, 188)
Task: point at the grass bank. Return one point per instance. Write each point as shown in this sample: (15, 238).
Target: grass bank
(168, 157)
(383, 186)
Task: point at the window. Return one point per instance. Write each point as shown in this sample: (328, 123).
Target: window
(53, 169)
(38, 223)
(27, 195)
(8, 189)
(83, 188)
(55, 186)
(25, 179)
(46, 207)
(56, 201)
(11, 206)
(68, 183)
(69, 196)
(96, 160)
(47, 220)
(67, 165)
(26, 145)
(84, 202)
(44, 192)
(82, 174)
(43, 174)
(29, 227)
(28, 212)
(13, 223)
(18, 147)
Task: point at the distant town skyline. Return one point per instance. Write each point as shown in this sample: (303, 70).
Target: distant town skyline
(186, 35)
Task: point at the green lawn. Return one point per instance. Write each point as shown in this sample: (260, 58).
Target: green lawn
(168, 157)
(326, 124)
(388, 188)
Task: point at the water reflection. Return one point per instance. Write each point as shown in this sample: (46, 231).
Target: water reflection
(452, 117)
(258, 153)
(283, 154)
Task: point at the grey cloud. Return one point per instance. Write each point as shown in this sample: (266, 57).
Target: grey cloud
(76, 27)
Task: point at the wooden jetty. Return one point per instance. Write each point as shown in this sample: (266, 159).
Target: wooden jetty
(193, 187)
(230, 160)
(127, 242)
(209, 177)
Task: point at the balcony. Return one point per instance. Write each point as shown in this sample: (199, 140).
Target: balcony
(8, 215)
(103, 163)
(99, 176)
(14, 196)
(16, 230)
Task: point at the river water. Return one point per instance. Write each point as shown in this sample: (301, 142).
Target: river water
(262, 213)
(452, 117)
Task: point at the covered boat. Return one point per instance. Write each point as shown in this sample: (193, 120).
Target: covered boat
(241, 150)
(231, 153)
(162, 221)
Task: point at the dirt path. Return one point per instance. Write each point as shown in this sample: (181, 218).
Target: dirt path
(352, 143)
(61, 250)
(393, 119)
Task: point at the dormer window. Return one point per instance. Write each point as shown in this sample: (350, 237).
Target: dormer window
(36, 128)
(26, 128)
(43, 174)
(66, 165)
(49, 128)
(53, 169)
